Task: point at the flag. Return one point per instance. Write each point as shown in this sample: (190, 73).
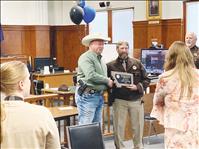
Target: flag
(1, 34)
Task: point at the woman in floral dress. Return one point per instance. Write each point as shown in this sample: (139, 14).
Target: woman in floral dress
(176, 99)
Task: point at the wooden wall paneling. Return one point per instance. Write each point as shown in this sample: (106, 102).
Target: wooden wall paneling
(173, 30)
(140, 34)
(52, 41)
(12, 43)
(68, 45)
(26, 40)
(42, 34)
(59, 50)
(154, 31)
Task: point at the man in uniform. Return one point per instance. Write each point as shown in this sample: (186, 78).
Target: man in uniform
(127, 99)
(190, 41)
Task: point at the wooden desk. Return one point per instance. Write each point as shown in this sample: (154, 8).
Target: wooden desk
(63, 113)
(67, 95)
(56, 79)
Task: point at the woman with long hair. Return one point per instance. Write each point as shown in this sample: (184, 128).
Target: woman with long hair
(23, 125)
(176, 99)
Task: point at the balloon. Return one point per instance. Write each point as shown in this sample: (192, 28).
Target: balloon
(81, 3)
(76, 14)
(89, 14)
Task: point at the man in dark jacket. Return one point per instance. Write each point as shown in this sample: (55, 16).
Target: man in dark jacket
(127, 99)
(190, 40)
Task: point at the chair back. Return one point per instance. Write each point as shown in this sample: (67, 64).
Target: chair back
(38, 85)
(87, 136)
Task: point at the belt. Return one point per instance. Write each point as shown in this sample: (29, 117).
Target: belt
(92, 91)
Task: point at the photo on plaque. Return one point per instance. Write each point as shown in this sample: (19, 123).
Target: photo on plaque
(122, 78)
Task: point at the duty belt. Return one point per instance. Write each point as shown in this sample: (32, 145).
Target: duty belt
(92, 91)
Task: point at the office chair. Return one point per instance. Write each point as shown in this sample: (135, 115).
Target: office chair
(38, 85)
(151, 120)
(87, 136)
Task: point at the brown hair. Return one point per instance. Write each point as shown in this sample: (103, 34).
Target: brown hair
(120, 43)
(180, 59)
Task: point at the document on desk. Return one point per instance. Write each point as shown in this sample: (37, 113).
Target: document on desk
(54, 89)
(66, 108)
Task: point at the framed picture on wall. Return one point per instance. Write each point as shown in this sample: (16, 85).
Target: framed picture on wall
(153, 9)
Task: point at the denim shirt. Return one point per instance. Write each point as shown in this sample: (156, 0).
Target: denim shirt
(92, 71)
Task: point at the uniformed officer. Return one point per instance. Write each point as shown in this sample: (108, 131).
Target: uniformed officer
(190, 40)
(127, 99)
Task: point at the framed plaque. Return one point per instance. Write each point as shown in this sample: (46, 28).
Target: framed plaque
(153, 9)
(122, 78)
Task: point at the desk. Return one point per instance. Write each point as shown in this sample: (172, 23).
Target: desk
(63, 113)
(65, 94)
(55, 79)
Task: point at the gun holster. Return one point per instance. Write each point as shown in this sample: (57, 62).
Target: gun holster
(82, 87)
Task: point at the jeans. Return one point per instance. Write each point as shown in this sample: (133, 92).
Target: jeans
(89, 107)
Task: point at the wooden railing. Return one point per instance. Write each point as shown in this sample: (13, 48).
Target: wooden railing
(47, 100)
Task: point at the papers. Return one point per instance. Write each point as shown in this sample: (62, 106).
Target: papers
(65, 108)
(54, 89)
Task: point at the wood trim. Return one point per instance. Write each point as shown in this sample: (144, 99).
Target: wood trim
(165, 31)
(140, 23)
(185, 17)
(110, 34)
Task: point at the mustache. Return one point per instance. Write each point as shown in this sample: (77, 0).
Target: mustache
(123, 55)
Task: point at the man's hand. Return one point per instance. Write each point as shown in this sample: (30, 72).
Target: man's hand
(132, 87)
(110, 83)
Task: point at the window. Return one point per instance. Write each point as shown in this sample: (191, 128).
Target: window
(99, 24)
(120, 26)
(192, 21)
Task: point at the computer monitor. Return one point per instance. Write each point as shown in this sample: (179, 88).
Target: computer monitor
(153, 60)
(40, 62)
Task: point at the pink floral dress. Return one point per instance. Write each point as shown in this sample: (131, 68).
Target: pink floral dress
(178, 114)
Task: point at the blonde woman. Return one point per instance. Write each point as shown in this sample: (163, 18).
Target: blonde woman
(176, 99)
(23, 125)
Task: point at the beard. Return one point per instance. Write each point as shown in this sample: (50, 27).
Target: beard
(123, 55)
(189, 44)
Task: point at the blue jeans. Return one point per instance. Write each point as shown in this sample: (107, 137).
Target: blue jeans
(89, 107)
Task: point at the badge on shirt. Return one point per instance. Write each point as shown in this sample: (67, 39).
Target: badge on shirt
(134, 67)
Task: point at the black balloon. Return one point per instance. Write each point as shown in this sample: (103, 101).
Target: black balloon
(76, 14)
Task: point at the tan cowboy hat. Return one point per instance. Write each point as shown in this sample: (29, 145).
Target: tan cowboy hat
(87, 39)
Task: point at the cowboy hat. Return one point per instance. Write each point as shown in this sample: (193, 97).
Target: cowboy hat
(87, 39)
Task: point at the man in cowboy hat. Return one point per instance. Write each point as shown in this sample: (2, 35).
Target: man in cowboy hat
(92, 80)
(190, 41)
